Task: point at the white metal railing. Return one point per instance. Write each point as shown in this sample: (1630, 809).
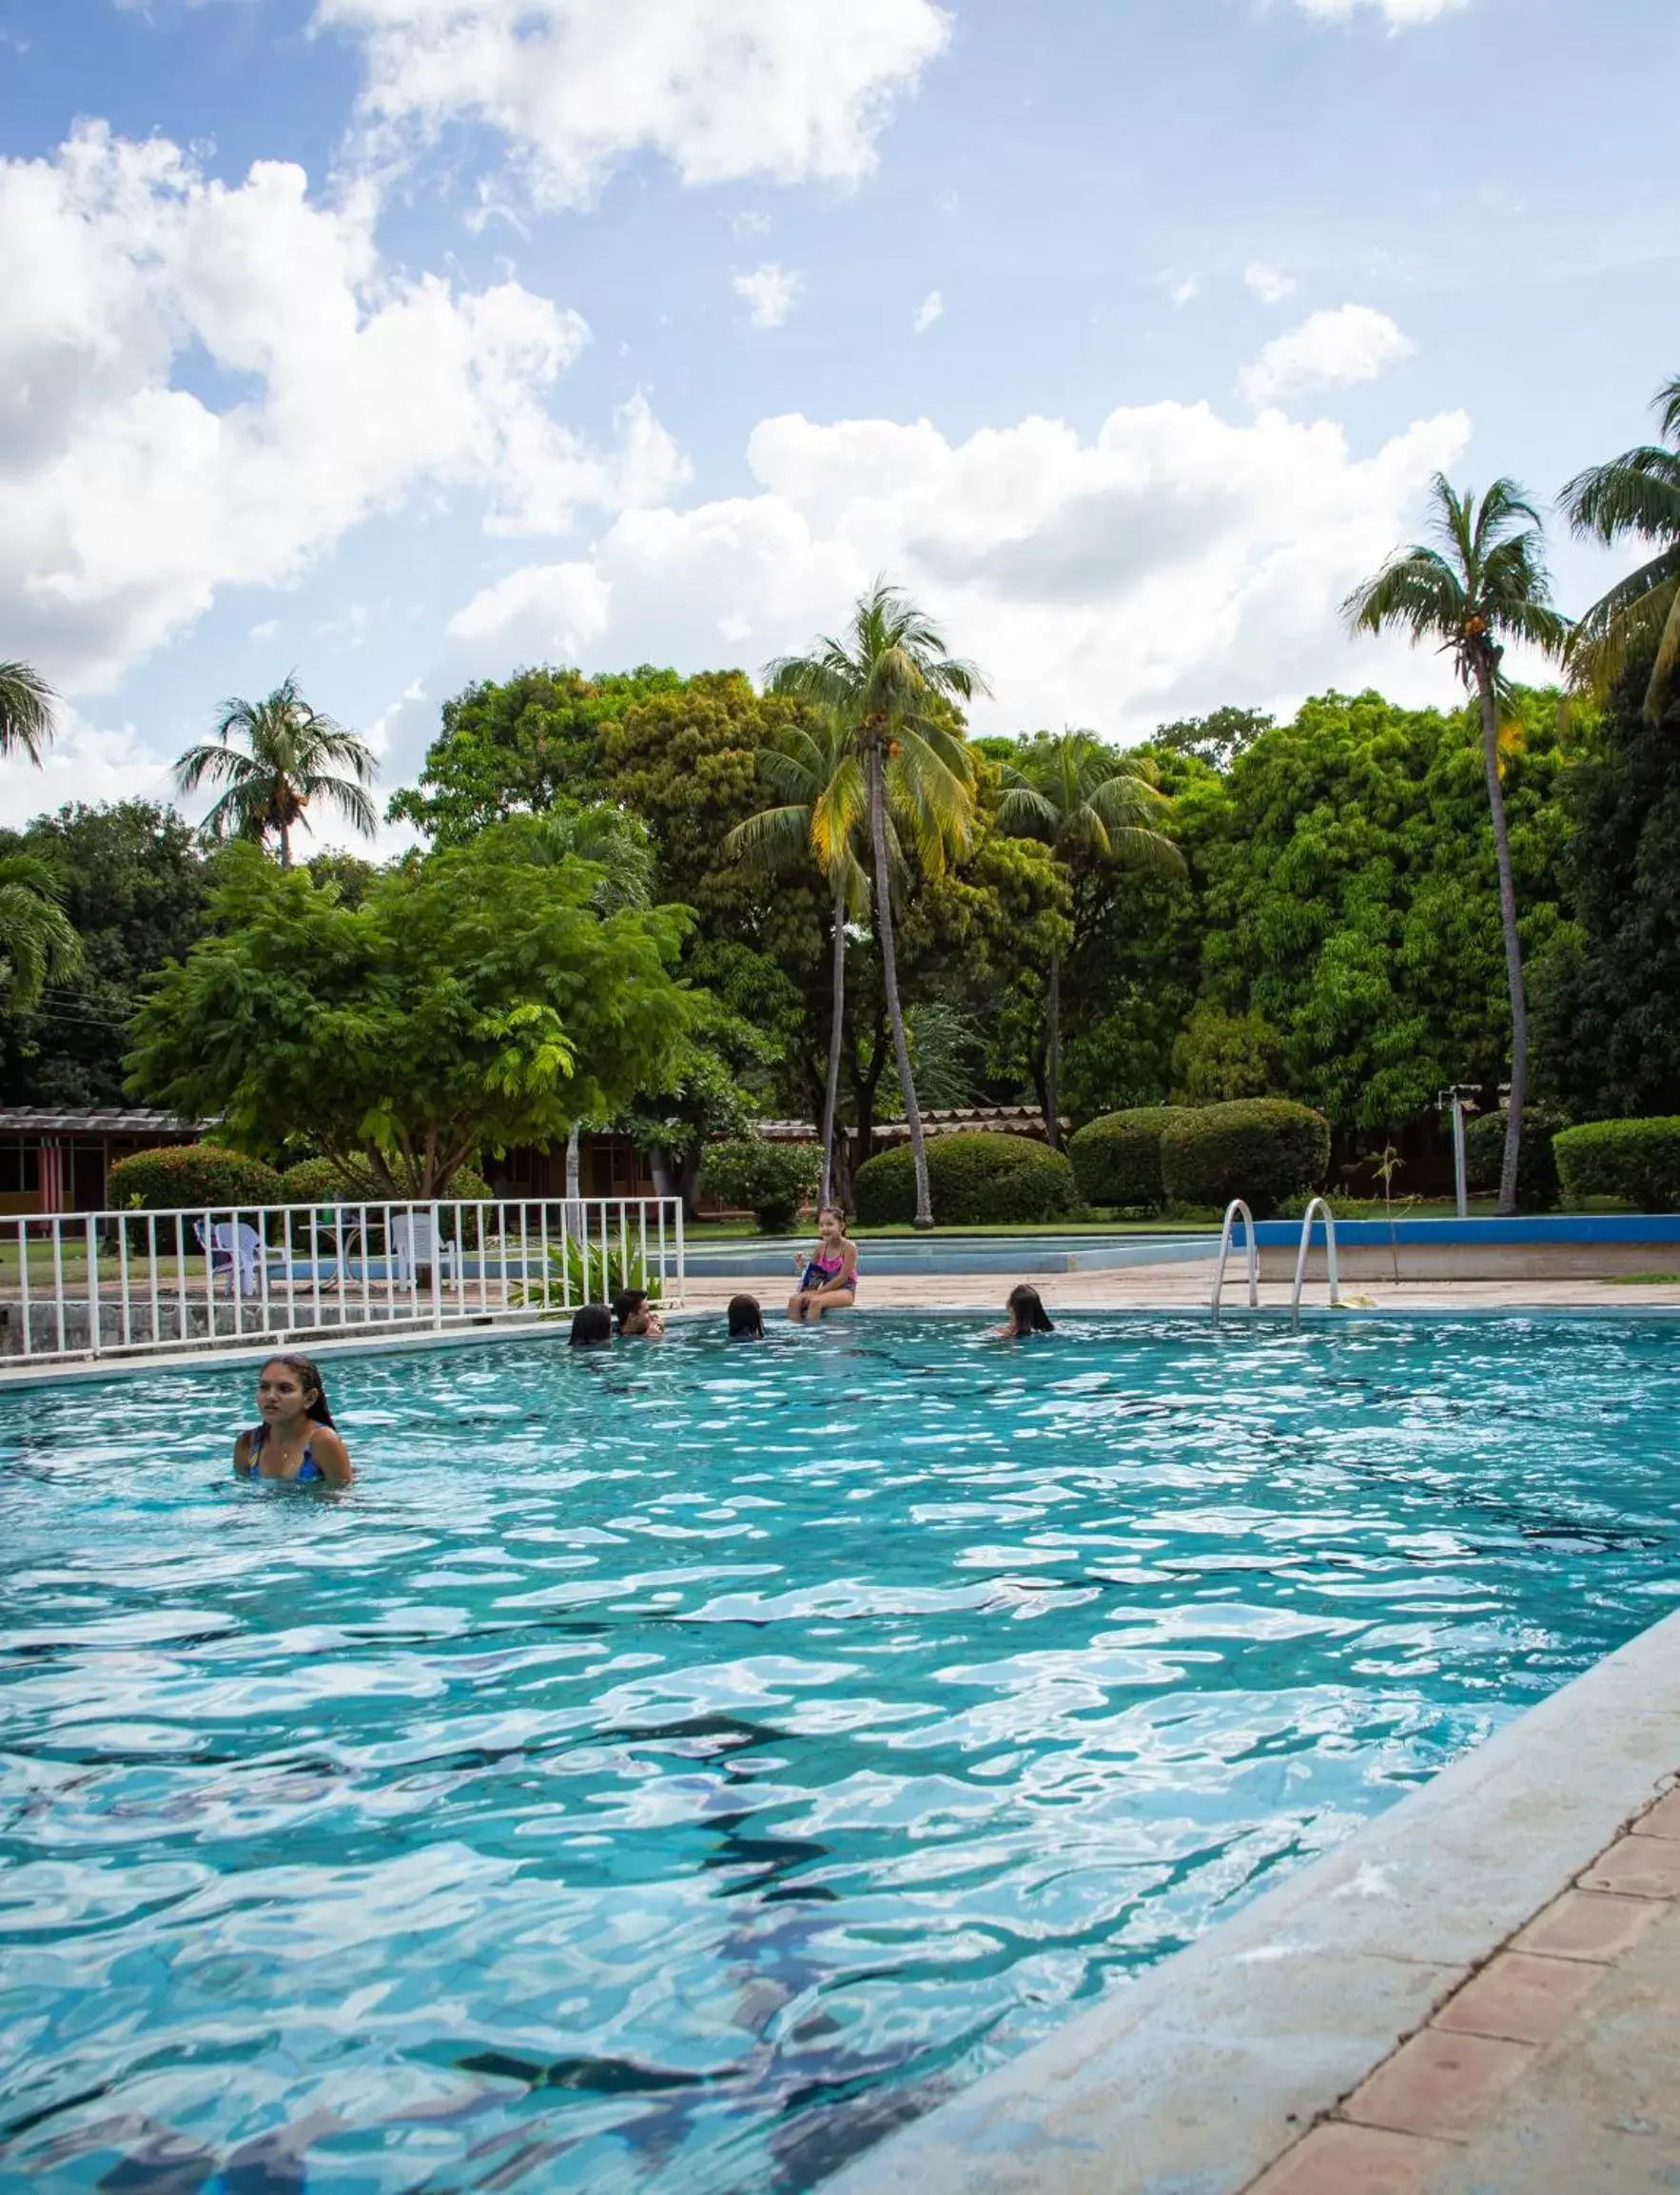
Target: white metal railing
(1318, 1205)
(97, 1284)
(1232, 1209)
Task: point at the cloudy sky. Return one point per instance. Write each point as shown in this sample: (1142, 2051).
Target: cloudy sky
(401, 342)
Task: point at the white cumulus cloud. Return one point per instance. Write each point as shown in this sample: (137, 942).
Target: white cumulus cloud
(337, 389)
(1269, 284)
(1175, 561)
(770, 291)
(788, 89)
(1401, 14)
(1329, 350)
(931, 309)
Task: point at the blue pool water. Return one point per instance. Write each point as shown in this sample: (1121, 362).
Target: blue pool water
(666, 1772)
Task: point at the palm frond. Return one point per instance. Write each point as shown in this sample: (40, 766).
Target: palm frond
(1637, 493)
(26, 710)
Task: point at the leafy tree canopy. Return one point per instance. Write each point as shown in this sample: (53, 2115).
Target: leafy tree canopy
(472, 999)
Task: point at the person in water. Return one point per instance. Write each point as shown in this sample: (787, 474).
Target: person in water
(1027, 1315)
(829, 1281)
(592, 1325)
(746, 1321)
(295, 1437)
(633, 1314)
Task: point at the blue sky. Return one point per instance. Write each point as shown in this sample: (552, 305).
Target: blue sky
(402, 342)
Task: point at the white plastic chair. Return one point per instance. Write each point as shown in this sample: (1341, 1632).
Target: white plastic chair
(230, 1245)
(414, 1243)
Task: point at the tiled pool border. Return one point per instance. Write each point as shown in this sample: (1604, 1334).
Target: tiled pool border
(1202, 2074)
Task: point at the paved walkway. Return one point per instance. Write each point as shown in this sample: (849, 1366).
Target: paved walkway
(1553, 2071)
(1185, 1287)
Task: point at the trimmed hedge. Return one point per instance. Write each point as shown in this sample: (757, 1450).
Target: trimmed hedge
(1537, 1186)
(772, 1180)
(975, 1181)
(1117, 1159)
(200, 1177)
(323, 1182)
(1262, 1150)
(1637, 1159)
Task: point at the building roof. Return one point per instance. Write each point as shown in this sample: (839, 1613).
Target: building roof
(1009, 1120)
(96, 1121)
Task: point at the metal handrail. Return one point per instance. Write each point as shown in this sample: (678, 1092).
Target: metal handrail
(1232, 1209)
(1318, 1205)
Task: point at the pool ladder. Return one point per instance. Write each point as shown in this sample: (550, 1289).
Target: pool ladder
(1236, 1209)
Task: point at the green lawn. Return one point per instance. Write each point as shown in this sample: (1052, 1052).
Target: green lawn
(1195, 1222)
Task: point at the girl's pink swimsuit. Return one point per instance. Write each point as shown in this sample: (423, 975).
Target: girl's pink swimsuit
(824, 1273)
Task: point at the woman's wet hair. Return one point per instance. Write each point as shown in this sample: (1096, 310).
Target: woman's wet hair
(627, 1302)
(1026, 1309)
(746, 1320)
(592, 1325)
(308, 1375)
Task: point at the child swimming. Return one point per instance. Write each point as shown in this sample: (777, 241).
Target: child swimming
(592, 1326)
(829, 1281)
(746, 1321)
(296, 1438)
(1027, 1315)
(636, 1315)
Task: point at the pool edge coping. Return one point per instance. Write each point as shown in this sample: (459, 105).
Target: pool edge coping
(1199, 2075)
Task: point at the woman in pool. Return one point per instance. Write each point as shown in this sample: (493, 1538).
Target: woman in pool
(295, 1437)
(1027, 1315)
(592, 1326)
(746, 1321)
(830, 1281)
(636, 1315)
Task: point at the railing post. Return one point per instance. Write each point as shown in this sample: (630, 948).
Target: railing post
(92, 1284)
(681, 1259)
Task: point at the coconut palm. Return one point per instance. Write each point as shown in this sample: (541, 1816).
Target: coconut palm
(37, 945)
(1636, 497)
(26, 710)
(815, 771)
(892, 687)
(1079, 796)
(1486, 582)
(291, 753)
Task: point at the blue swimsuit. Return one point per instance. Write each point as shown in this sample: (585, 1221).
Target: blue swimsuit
(308, 1469)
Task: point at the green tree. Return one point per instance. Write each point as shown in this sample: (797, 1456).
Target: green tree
(291, 760)
(816, 780)
(890, 680)
(1085, 802)
(134, 886)
(1636, 497)
(1217, 739)
(1484, 584)
(37, 944)
(26, 710)
(474, 999)
(520, 747)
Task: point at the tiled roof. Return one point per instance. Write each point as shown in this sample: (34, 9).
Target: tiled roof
(95, 1120)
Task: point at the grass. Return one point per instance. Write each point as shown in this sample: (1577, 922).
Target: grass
(1642, 1281)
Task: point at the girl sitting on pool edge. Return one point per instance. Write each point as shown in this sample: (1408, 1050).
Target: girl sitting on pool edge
(296, 1438)
(830, 1281)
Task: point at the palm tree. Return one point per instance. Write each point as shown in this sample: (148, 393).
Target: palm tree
(291, 752)
(1485, 583)
(893, 687)
(37, 945)
(1637, 495)
(26, 710)
(1079, 796)
(815, 771)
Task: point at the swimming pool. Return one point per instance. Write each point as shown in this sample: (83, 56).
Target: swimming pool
(666, 1771)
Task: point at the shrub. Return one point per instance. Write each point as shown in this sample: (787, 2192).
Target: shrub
(1537, 1186)
(1262, 1150)
(325, 1181)
(197, 1177)
(772, 1180)
(1117, 1159)
(980, 1180)
(1636, 1160)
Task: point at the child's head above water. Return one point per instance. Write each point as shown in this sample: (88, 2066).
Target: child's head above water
(1026, 1311)
(592, 1325)
(746, 1321)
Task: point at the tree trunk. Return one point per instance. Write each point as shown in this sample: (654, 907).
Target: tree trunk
(285, 845)
(913, 1111)
(836, 1032)
(1053, 1073)
(1519, 1010)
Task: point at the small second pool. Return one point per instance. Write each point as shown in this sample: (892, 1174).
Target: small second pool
(668, 1771)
